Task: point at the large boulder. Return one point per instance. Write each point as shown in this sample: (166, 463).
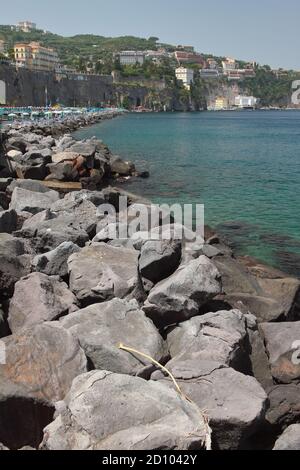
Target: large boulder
(159, 259)
(101, 328)
(284, 408)
(101, 272)
(55, 262)
(120, 167)
(268, 298)
(33, 164)
(8, 221)
(235, 403)
(282, 342)
(24, 200)
(30, 185)
(47, 230)
(83, 211)
(107, 411)
(221, 337)
(14, 263)
(37, 299)
(41, 362)
(180, 297)
(87, 149)
(290, 439)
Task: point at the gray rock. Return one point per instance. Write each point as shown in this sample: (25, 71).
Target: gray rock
(290, 439)
(149, 416)
(30, 185)
(223, 393)
(8, 221)
(101, 272)
(16, 143)
(159, 259)
(41, 363)
(95, 197)
(121, 167)
(220, 337)
(65, 142)
(2, 447)
(268, 299)
(24, 200)
(180, 297)
(83, 212)
(54, 263)
(86, 149)
(63, 171)
(14, 264)
(101, 328)
(37, 299)
(48, 230)
(284, 408)
(282, 342)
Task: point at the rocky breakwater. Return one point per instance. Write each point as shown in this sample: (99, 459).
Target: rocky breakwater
(87, 316)
(47, 152)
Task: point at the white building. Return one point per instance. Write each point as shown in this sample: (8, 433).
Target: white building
(246, 101)
(229, 65)
(131, 57)
(209, 73)
(26, 26)
(186, 76)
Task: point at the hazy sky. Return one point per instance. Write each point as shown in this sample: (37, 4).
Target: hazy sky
(264, 30)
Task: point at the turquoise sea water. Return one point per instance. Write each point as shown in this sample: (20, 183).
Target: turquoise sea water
(244, 166)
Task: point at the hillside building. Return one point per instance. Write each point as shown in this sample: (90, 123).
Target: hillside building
(26, 26)
(186, 76)
(131, 57)
(35, 56)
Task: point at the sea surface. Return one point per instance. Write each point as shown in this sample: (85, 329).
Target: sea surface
(243, 166)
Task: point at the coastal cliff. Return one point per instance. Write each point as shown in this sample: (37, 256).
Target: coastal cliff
(87, 317)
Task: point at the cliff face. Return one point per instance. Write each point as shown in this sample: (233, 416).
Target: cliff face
(27, 88)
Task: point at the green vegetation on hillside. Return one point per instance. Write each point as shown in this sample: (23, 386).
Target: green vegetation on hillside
(272, 89)
(87, 52)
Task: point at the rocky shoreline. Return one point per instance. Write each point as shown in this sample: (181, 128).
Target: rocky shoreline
(86, 318)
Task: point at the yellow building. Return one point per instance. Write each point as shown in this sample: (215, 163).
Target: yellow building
(221, 103)
(36, 57)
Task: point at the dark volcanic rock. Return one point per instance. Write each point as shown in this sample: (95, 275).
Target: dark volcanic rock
(41, 363)
(235, 403)
(14, 264)
(37, 299)
(268, 299)
(8, 221)
(149, 416)
(282, 342)
(47, 230)
(284, 408)
(100, 272)
(221, 337)
(101, 328)
(23, 200)
(54, 263)
(180, 297)
(159, 259)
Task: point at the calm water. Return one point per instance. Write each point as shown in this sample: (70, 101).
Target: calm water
(244, 166)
